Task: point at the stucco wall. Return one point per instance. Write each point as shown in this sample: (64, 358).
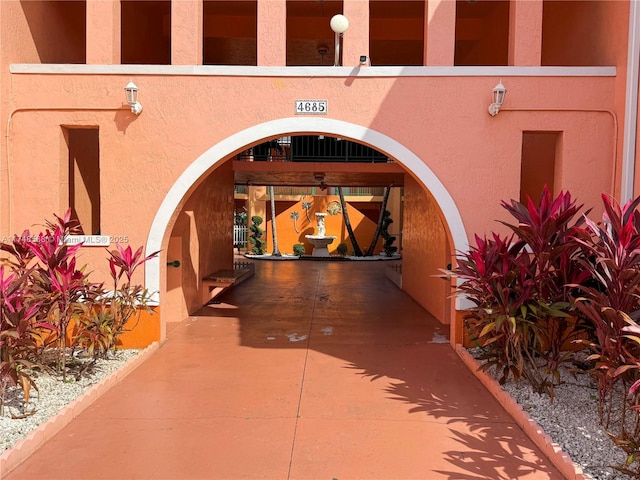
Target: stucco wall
(141, 157)
(43, 31)
(591, 37)
(426, 251)
(205, 225)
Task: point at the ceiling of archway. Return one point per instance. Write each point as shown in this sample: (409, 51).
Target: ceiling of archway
(318, 173)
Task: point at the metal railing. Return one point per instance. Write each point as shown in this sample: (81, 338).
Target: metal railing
(240, 236)
(313, 148)
(293, 191)
(363, 191)
(304, 191)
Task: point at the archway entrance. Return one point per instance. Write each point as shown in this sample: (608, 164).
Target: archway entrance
(420, 173)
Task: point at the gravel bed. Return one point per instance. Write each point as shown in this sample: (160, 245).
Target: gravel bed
(572, 421)
(53, 395)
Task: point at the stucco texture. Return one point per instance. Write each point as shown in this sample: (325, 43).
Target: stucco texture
(425, 242)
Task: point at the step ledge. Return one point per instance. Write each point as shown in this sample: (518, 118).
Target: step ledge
(23, 449)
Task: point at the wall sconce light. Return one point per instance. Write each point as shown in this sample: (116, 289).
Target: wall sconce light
(131, 92)
(499, 92)
(363, 59)
(339, 24)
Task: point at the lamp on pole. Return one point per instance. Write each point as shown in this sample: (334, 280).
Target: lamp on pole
(339, 24)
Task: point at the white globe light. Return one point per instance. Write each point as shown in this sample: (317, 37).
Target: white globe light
(339, 23)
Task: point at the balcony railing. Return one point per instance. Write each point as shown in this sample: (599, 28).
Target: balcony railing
(304, 191)
(313, 148)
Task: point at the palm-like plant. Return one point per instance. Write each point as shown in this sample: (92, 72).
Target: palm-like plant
(345, 215)
(294, 216)
(307, 206)
(274, 146)
(274, 233)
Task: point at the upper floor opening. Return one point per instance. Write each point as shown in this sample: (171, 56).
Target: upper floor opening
(573, 32)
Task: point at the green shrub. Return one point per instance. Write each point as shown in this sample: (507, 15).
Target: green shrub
(342, 249)
(388, 247)
(255, 239)
(298, 249)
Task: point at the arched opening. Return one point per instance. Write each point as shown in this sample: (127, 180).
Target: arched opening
(220, 153)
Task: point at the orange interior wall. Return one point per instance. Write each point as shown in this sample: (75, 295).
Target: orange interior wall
(84, 177)
(230, 32)
(425, 250)
(363, 228)
(538, 164)
(44, 31)
(396, 32)
(146, 32)
(482, 32)
(592, 37)
(307, 28)
(205, 226)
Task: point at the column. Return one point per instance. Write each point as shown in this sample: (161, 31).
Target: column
(103, 32)
(272, 33)
(186, 32)
(440, 32)
(525, 32)
(355, 41)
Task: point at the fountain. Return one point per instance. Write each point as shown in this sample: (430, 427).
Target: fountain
(321, 240)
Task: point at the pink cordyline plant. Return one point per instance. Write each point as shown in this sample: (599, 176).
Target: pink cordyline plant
(18, 336)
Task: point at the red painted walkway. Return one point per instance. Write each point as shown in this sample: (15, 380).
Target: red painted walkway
(310, 370)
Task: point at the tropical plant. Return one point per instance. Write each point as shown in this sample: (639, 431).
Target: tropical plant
(525, 287)
(100, 329)
(274, 146)
(307, 206)
(240, 218)
(519, 285)
(255, 239)
(494, 279)
(18, 335)
(294, 216)
(345, 215)
(45, 294)
(628, 436)
(274, 234)
(65, 289)
(334, 207)
(611, 303)
(549, 231)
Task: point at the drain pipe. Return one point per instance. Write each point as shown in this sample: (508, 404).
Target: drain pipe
(631, 106)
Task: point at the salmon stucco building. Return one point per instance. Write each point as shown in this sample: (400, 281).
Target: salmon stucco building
(411, 81)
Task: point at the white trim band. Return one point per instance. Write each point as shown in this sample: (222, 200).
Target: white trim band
(357, 71)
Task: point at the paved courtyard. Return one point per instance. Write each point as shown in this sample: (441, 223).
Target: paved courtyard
(309, 370)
